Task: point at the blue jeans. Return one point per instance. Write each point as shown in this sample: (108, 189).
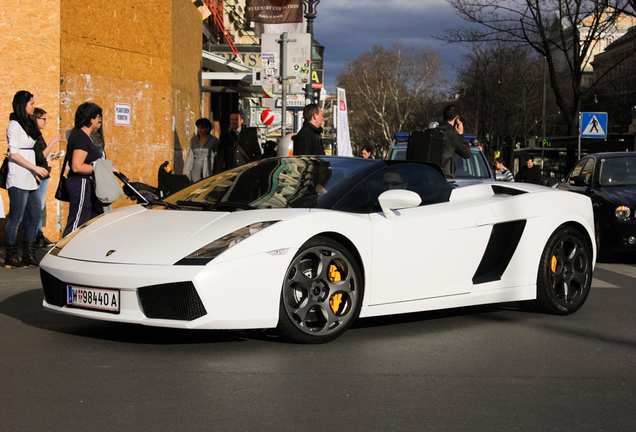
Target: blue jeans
(22, 201)
(44, 186)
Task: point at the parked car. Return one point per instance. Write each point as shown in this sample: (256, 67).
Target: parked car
(609, 179)
(477, 167)
(306, 244)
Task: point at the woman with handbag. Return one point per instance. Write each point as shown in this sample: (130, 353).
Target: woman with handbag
(81, 153)
(42, 152)
(22, 183)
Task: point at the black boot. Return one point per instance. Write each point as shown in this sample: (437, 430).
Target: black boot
(11, 259)
(28, 254)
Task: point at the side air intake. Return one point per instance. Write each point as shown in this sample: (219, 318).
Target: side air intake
(504, 190)
(503, 242)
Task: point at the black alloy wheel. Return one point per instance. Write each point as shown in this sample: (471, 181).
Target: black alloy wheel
(565, 272)
(321, 294)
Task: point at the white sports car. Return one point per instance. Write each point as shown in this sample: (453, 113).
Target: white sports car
(308, 244)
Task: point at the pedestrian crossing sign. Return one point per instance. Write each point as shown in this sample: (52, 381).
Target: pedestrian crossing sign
(594, 125)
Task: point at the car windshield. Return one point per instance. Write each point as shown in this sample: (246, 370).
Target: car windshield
(475, 167)
(294, 182)
(618, 171)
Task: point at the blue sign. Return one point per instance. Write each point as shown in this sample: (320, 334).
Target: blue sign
(593, 125)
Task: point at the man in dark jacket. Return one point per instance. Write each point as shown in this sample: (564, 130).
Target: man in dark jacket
(454, 141)
(307, 141)
(238, 146)
(530, 173)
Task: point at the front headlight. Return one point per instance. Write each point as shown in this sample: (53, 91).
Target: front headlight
(58, 247)
(210, 251)
(622, 212)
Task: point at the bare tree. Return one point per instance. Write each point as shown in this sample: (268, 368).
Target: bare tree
(563, 31)
(499, 89)
(387, 92)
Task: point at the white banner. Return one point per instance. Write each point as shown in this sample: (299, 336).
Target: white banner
(290, 28)
(344, 141)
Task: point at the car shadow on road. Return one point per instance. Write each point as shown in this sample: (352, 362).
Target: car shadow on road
(436, 315)
(27, 307)
(617, 258)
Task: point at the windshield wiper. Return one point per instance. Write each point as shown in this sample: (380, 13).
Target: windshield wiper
(163, 203)
(224, 205)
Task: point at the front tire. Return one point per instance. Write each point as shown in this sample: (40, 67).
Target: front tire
(321, 294)
(565, 273)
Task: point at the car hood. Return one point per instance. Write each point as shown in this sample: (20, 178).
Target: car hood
(619, 194)
(136, 235)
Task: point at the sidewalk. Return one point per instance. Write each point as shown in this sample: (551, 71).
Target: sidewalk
(19, 276)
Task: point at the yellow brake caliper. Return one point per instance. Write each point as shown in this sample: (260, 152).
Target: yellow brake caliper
(336, 299)
(553, 264)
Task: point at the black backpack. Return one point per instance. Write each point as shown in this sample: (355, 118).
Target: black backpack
(426, 146)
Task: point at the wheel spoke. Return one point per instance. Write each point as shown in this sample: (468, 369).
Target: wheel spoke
(580, 277)
(325, 259)
(558, 277)
(303, 310)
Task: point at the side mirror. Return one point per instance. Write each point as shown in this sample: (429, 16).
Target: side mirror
(578, 181)
(397, 199)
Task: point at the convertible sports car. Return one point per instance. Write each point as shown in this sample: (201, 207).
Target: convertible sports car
(609, 179)
(307, 244)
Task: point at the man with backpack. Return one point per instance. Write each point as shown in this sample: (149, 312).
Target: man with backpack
(454, 141)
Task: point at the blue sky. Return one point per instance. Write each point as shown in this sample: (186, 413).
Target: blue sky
(348, 28)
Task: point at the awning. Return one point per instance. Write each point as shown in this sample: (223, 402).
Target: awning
(222, 69)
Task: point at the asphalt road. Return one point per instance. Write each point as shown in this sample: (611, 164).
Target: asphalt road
(491, 368)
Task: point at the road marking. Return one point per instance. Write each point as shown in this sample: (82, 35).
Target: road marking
(597, 283)
(624, 269)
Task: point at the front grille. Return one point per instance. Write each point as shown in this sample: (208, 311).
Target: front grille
(174, 301)
(54, 289)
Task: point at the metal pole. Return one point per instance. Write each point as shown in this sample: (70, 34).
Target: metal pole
(578, 154)
(543, 115)
(310, 15)
(283, 80)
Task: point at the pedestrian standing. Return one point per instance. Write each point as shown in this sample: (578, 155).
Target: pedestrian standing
(530, 173)
(307, 140)
(203, 149)
(454, 141)
(42, 153)
(22, 183)
(238, 146)
(499, 164)
(82, 152)
(366, 152)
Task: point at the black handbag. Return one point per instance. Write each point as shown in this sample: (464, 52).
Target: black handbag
(4, 172)
(62, 192)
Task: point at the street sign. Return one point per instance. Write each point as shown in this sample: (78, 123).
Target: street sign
(317, 76)
(267, 117)
(593, 125)
(292, 102)
(297, 60)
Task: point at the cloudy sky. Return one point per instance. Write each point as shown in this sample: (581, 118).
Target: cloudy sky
(349, 28)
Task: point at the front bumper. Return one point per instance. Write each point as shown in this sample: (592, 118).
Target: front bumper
(615, 236)
(237, 294)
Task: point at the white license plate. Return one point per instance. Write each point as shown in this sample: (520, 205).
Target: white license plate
(93, 298)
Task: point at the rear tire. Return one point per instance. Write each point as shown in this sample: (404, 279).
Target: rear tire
(321, 294)
(565, 273)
